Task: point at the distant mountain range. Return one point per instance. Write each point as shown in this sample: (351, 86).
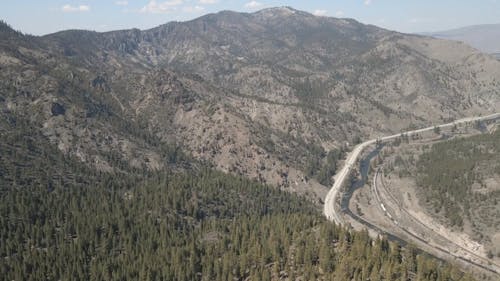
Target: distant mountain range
(484, 37)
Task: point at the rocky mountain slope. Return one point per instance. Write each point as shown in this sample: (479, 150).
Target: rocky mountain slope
(267, 95)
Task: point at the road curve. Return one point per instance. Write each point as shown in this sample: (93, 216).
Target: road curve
(330, 210)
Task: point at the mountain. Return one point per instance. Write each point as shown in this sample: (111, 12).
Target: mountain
(484, 37)
(276, 95)
(109, 141)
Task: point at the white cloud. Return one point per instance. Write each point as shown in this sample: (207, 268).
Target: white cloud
(208, 1)
(81, 8)
(368, 2)
(154, 7)
(121, 3)
(191, 9)
(253, 5)
(339, 14)
(320, 13)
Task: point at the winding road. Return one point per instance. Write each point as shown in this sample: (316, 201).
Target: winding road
(331, 207)
(330, 210)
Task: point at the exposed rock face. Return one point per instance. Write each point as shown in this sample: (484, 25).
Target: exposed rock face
(266, 95)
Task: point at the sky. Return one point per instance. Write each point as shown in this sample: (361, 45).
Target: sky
(39, 17)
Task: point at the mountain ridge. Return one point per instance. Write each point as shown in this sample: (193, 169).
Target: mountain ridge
(267, 99)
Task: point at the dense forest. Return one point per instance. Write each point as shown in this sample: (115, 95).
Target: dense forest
(447, 171)
(203, 226)
(63, 220)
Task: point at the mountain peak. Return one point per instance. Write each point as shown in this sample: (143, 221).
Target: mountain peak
(283, 9)
(277, 11)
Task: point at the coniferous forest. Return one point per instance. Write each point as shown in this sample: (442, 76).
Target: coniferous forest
(203, 226)
(99, 132)
(447, 171)
(61, 220)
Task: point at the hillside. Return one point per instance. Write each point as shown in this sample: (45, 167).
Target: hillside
(165, 149)
(275, 95)
(460, 181)
(60, 219)
(197, 226)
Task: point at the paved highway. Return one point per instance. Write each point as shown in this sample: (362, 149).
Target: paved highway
(330, 207)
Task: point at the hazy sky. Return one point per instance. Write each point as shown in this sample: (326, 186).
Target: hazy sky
(41, 17)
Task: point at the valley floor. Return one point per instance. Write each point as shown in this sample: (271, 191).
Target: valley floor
(391, 201)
